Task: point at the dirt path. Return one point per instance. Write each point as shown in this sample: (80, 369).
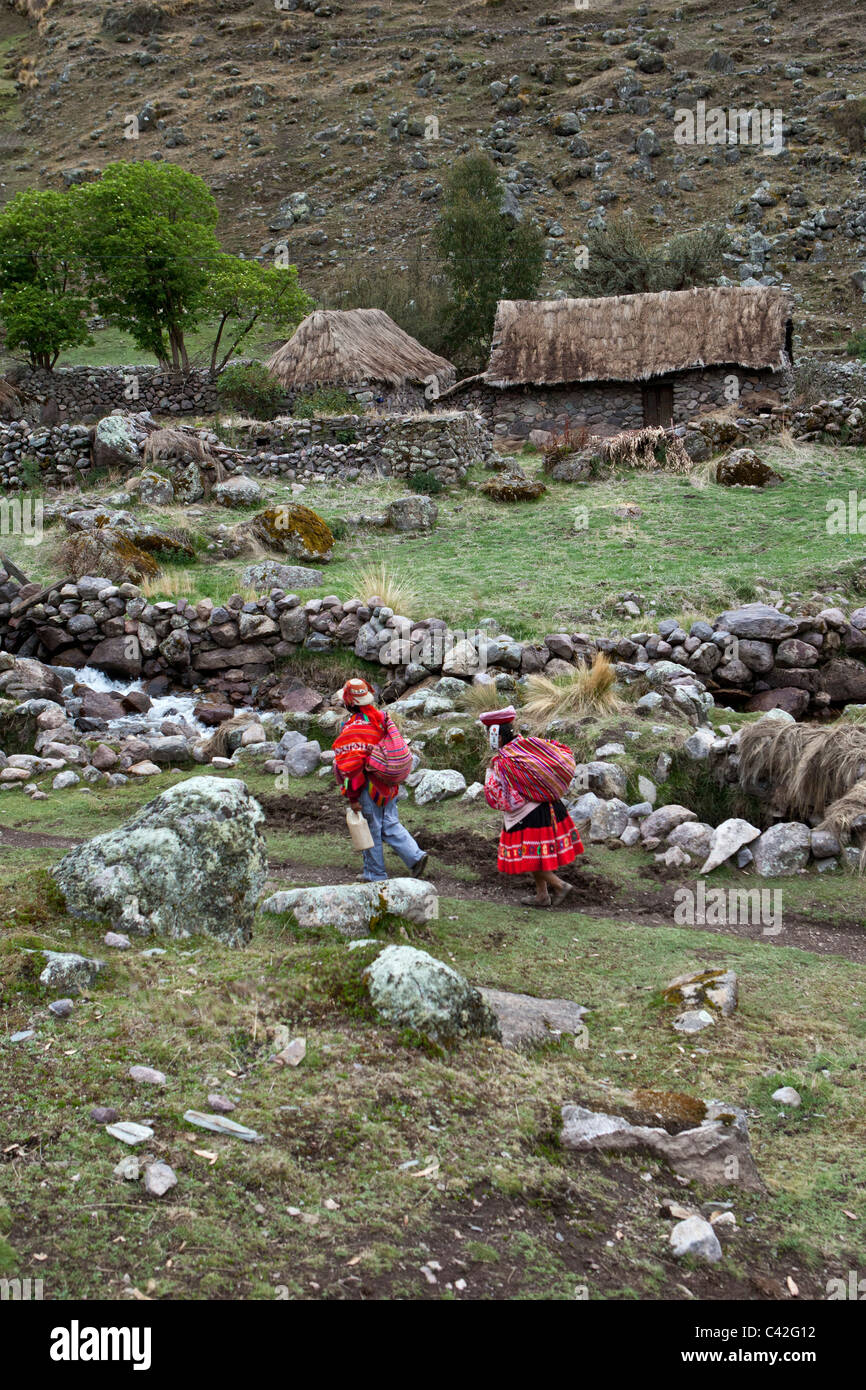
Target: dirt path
(594, 894)
(28, 839)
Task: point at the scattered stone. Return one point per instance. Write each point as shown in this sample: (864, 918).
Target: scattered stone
(147, 1076)
(727, 839)
(159, 1178)
(718, 988)
(782, 850)
(217, 1124)
(695, 1237)
(61, 1008)
(693, 1021)
(117, 940)
(714, 1152)
(67, 971)
(128, 1132)
(128, 1168)
(103, 1114)
(786, 1095)
(293, 1055)
(355, 908)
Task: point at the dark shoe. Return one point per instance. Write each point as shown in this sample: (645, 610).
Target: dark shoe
(420, 868)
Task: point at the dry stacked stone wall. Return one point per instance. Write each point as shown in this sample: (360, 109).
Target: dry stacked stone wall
(82, 392)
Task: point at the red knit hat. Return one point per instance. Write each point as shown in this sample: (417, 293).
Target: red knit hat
(357, 692)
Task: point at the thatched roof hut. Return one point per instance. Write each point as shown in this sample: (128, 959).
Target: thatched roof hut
(638, 336)
(350, 347)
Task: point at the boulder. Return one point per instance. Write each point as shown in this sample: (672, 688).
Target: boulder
(782, 850)
(118, 441)
(68, 972)
(844, 681)
(411, 989)
(302, 759)
(695, 837)
(439, 785)
(660, 823)
(608, 820)
(788, 698)
(526, 1021)
(416, 512)
(758, 621)
(192, 861)
(237, 491)
(605, 779)
(272, 574)
(716, 988)
(117, 656)
(715, 1151)
(355, 909)
(743, 468)
(726, 840)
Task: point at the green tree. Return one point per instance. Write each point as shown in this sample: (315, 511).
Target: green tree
(43, 299)
(150, 247)
(486, 254)
(620, 261)
(241, 294)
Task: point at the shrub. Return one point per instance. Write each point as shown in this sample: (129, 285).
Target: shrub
(559, 446)
(621, 262)
(857, 345)
(425, 482)
(850, 122)
(249, 387)
(328, 400)
(649, 448)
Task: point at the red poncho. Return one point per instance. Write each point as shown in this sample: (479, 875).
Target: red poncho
(360, 733)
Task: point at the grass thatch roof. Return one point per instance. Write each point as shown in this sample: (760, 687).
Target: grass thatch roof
(344, 347)
(637, 336)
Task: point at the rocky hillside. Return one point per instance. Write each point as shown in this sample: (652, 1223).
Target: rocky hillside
(363, 108)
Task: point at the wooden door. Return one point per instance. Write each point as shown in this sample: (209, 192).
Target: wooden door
(658, 403)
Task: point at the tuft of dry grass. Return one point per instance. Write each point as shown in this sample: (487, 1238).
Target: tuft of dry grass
(805, 767)
(381, 582)
(590, 690)
(173, 584)
(651, 448)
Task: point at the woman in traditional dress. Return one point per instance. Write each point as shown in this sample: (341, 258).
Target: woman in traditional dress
(538, 836)
(364, 791)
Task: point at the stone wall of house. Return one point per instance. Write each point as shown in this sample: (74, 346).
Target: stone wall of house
(605, 408)
(81, 392)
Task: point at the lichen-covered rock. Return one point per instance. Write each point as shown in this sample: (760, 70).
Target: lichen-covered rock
(237, 491)
(68, 971)
(191, 861)
(416, 512)
(411, 989)
(439, 785)
(297, 530)
(782, 850)
(743, 468)
(271, 574)
(355, 909)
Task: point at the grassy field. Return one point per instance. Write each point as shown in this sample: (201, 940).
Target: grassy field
(379, 1157)
(695, 548)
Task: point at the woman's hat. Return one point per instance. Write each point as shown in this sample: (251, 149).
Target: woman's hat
(357, 692)
(498, 716)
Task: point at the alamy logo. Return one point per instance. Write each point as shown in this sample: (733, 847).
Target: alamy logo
(716, 126)
(22, 517)
(719, 907)
(20, 1290)
(77, 1343)
(854, 1288)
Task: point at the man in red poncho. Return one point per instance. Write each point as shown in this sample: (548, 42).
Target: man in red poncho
(364, 792)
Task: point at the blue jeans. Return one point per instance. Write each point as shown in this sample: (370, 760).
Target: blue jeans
(385, 827)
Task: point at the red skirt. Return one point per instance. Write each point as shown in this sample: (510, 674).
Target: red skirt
(546, 838)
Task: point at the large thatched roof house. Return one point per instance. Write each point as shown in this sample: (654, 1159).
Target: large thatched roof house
(364, 352)
(627, 360)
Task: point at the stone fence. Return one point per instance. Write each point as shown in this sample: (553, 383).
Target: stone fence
(95, 391)
(756, 656)
(344, 446)
(445, 445)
